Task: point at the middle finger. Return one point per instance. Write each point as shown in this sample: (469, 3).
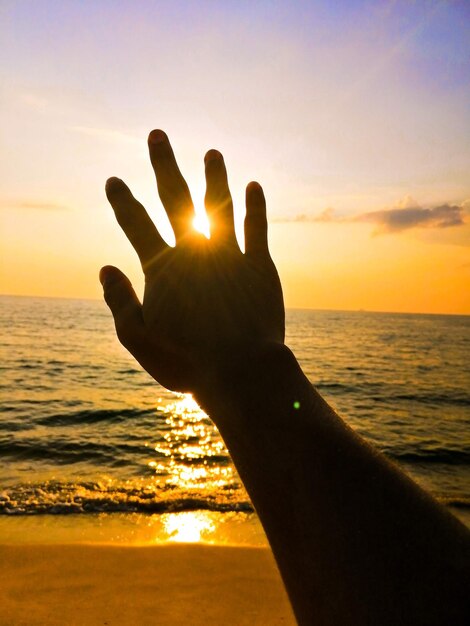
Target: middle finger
(218, 199)
(172, 188)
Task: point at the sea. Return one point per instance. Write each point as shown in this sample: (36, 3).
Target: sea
(87, 435)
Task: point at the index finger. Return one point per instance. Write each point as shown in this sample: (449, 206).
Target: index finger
(136, 223)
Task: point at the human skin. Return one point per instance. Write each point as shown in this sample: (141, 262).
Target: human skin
(356, 541)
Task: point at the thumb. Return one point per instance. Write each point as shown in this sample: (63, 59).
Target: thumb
(124, 304)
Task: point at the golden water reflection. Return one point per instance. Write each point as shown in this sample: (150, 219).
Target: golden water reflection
(191, 454)
(188, 527)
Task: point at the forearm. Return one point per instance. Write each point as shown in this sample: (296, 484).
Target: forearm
(356, 541)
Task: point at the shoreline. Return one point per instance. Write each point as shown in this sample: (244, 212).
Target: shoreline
(134, 529)
(167, 584)
(212, 528)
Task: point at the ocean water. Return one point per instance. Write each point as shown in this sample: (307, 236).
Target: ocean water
(83, 430)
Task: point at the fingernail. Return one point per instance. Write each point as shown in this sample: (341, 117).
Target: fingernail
(157, 136)
(254, 186)
(112, 184)
(107, 277)
(212, 155)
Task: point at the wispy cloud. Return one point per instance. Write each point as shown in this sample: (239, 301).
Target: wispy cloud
(397, 220)
(407, 214)
(327, 215)
(33, 100)
(106, 133)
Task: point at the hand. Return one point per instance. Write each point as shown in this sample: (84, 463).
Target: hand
(205, 302)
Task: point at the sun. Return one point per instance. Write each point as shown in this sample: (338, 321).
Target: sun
(201, 223)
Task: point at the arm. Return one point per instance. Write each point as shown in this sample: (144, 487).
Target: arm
(356, 541)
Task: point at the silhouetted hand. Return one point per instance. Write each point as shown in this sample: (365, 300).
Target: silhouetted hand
(205, 301)
(342, 521)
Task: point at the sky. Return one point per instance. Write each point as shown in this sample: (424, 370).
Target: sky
(353, 115)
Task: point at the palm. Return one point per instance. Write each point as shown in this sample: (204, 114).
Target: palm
(204, 297)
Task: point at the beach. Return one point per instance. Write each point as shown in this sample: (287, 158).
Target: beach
(169, 584)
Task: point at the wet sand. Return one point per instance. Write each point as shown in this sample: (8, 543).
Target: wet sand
(166, 585)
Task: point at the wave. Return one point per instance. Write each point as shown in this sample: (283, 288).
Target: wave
(56, 498)
(127, 451)
(92, 417)
(177, 505)
(457, 503)
(455, 398)
(446, 456)
(381, 393)
(62, 451)
(22, 421)
(85, 498)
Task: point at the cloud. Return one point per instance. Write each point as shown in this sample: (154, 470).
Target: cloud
(293, 219)
(407, 214)
(106, 133)
(400, 219)
(408, 202)
(33, 101)
(34, 206)
(466, 207)
(327, 215)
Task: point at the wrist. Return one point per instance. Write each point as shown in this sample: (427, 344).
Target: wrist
(247, 381)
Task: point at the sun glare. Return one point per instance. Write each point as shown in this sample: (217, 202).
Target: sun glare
(188, 527)
(201, 224)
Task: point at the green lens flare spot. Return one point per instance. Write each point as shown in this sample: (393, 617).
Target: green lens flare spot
(296, 405)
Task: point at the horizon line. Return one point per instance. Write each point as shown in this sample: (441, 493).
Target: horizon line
(287, 308)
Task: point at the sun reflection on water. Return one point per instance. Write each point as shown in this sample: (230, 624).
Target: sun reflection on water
(188, 527)
(191, 454)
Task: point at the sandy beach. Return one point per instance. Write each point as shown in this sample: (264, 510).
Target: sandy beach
(165, 585)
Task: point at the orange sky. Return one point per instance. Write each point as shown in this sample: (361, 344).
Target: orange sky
(357, 109)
